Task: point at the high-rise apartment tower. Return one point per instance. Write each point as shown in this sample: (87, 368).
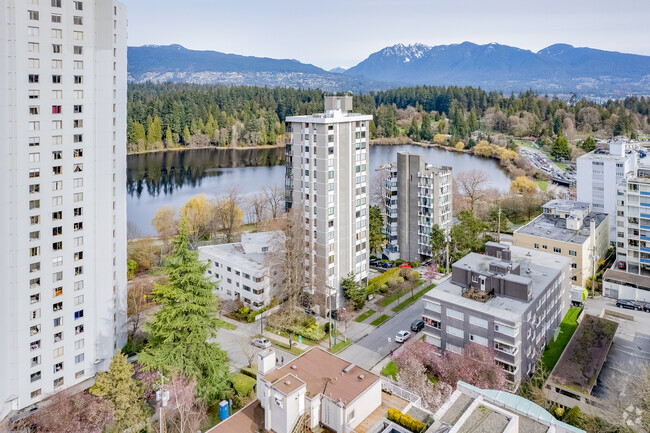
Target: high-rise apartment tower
(62, 194)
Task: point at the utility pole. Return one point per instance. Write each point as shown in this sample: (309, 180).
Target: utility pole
(447, 240)
(499, 225)
(593, 258)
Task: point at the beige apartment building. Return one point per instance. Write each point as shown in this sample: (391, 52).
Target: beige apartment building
(571, 229)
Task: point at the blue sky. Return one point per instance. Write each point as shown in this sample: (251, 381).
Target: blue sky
(331, 33)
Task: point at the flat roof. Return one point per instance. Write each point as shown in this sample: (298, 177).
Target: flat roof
(237, 255)
(567, 205)
(641, 281)
(583, 358)
(322, 372)
(552, 227)
(246, 420)
(543, 267)
(334, 116)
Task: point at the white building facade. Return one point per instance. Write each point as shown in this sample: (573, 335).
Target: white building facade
(327, 179)
(242, 269)
(62, 194)
(600, 171)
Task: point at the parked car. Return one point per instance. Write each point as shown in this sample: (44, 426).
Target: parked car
(402, 336)
(621, 265)
(645, 306)
(626, 303)
(417, 325)
(261, 343)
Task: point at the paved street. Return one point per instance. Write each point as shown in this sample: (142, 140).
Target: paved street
(372, 348)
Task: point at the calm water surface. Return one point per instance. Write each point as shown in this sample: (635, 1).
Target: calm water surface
(157, 179)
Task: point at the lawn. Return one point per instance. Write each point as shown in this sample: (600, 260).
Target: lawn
(364, 316)
(294, 337)
(542, 185)
(555, 348)
(340, 346)
(413, 298)
(397, 295)
(390, 370)
(226, 325)
(381, 319)
(294, 350)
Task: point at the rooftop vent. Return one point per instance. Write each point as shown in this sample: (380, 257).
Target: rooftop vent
(528, 271)
(348, 368)
(528, 254)
(293, 367)
(288, 382)
(361, 376)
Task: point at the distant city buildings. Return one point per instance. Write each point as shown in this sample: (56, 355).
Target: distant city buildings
(418, 197)
(600, 171)
(62, 195)
(243, 269)
(327, 182)
(570, 229)
(511, 299)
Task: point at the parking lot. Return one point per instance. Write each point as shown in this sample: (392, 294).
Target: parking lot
(630, 348)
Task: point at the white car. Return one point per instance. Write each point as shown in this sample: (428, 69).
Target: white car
(402, 336)
(261, 342)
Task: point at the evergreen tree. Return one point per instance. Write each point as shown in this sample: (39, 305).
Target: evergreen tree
(426, 133)
(560, 148)
(414, 131)
(139, 133)
(186, 135)
(472, 121)
(180, 331)
(354, 292)
(154, 131)
(376, 223)
(589, 144)
(437, 241)
(169, 137)
(125, 394)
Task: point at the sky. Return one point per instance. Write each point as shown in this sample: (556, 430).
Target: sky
(331, 33)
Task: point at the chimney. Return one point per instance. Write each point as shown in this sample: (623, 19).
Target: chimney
(265, 361)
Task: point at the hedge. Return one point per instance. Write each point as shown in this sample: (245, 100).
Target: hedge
(405, 420)
(242, 384)
(250, 371)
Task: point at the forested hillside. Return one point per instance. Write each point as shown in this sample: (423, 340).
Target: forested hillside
(185, 115)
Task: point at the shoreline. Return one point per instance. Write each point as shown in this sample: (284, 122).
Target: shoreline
(177, 149)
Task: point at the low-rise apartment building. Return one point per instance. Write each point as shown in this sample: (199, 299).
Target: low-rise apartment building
(418, 196)
(510, 298)
(571, 229)
(243, 268)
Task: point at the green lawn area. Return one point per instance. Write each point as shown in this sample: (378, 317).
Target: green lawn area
(226, 325)
(562, 165)
(294, 350)
(397, 295)
(413, 298)
(294, 337)
(381, 319)
(542, 185)
(390, 370)
(526, 144)
(340, 346)
(364, 316)
(555, 348)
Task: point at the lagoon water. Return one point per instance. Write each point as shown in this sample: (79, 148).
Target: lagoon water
(158, 179)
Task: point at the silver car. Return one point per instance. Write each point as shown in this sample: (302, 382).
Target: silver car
(262, 343)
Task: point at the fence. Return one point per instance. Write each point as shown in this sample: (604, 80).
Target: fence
(391, 387)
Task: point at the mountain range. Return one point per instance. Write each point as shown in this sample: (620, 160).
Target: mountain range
(557, 69)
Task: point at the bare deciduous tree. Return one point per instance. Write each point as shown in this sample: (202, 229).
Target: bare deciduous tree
(166, 223)
(184, 410)
(378, 189)
(274, 199)
(257, 207)
(133, 231)
(227, 214)
(137, 302)
(472, 184)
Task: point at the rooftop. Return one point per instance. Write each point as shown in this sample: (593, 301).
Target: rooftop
(629, 278)
(324, 373)
(537, 266)
(581, 362)
(246, 254)
(555, 228)
(247, 420)
(471, 409)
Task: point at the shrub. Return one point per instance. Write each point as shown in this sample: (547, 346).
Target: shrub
(405, 420)
(379, 283)
(131, 266)
(414, 264)
(250, 371)
(242, 384)
(574, 417)
(399, 262)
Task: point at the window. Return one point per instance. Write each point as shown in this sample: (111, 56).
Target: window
(35, 376)
(57, 170)
(33, 299)
(56, 3)
(78, 314)
(79, 358)
(78, 79)
(79, 374)
(78, 49)
(34, 330)
(33, 15)
(56, 18)
(58, 215)
(478, 339)
(33, 63)
(79, 255)
(573, 253)
(35, 267)
(58, 337)
(57, 276)
(58, 382)
(58, 291)
(35, 394)
(79, 329)
(57, 261)
(34, 172)
(36, 360)
(57, 231)
(77, 197)
(57, 33)
(557, 250)
(574, 265)
(77, 20)
(536, 245)
(78, 36)
(505, 348)
(455, 331)
(33, 31)
(34, 141)
(58, 352)
(35, 251)
(505, 329)
(78, 211)
(58, 306)
(35, 219)
(57, 49)
(34, 236)
(56, 79)
(57, 139)
(78, 109)
(433, 306)
(544, 247)
(33, 78)
(455, 314)
(33, 47)
(78, 64)
(79, 344)
(56, 109)
(79, 270)
(78, 5)
(34, 188)
(57, 64)
(58, 367)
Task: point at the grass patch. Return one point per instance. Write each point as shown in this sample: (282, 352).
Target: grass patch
(390, 370)
(226, 325)
(294, 337)
(294, 350)
(542, 185)
(364, 316)
(555, 348)
(340, 346)
(242, 384)
(412, 299)
(381, 319)
(397, 295)
(562, 165)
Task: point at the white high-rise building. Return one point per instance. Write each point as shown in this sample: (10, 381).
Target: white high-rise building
(62, 194)
(600, 171)
(327, 175)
